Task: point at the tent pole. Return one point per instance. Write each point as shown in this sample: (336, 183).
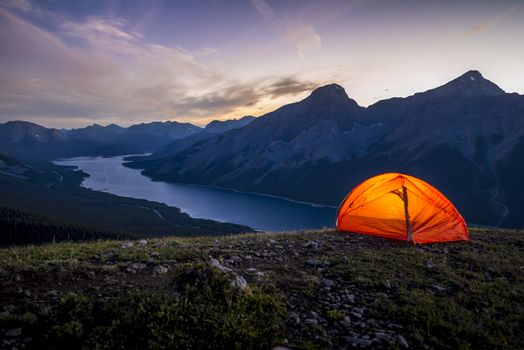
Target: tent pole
(406, 213)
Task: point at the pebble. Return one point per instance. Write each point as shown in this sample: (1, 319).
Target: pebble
(251, 270)
(216, 264)
(15, 332)
(160, 270)
(328, 283)
(127, 245)
(383, 336)
(360, 342)
(402, 341)
(142, 242)
(293, 318)
(311, 321)
(239, 282)
(311, 245)
(154, 254)
(313, 262)
(437, 288)
(138, 266)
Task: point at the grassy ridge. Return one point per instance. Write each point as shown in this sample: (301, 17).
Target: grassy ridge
(309, 290)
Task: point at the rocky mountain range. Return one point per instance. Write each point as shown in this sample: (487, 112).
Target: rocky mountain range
(31, 141)
(465, 137)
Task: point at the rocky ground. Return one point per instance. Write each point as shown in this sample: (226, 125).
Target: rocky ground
(319, 289)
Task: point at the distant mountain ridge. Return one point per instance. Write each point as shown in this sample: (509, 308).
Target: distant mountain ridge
(466, 137)
(28, 140)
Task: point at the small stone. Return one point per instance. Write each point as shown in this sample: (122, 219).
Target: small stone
(311, 321)
(138, 266)
(438, 288)
(311, 245)
(239, 282)
(429, 265)
(160, 270)
(154, 254)
(280, 348)
(272, 241)
(251, 270)
(127, 245)
(402, 341)
(15, 332)
(383, 336)
(216, 264)
(313, 262)
(293, 318)
(142, 242)
(27, 293)
(387, 284)
(328, 283)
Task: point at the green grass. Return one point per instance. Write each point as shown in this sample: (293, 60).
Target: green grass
(197, 310)
(481, 304)
(445, 296)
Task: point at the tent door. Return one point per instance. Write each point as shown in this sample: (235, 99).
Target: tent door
(406, 213)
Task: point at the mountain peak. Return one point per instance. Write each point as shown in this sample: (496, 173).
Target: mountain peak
(472, 83)
(329, 93)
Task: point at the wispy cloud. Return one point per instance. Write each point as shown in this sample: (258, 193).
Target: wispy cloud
(99, 69)
(302, 35)
(488, 24)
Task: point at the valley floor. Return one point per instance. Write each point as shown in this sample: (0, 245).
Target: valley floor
(319, 289)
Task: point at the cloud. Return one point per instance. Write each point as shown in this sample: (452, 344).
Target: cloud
(488, 24)
(303, 36)
(97, 69)
(289, 86)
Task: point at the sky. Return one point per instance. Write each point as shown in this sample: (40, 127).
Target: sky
(70, 63)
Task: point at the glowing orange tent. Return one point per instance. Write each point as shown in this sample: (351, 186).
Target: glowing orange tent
(401, 207)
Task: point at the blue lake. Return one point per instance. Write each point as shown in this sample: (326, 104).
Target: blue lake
(261, 212)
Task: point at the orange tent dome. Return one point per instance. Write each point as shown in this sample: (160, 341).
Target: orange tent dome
(401, 207)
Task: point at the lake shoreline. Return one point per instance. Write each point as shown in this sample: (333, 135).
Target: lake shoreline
(262, 212)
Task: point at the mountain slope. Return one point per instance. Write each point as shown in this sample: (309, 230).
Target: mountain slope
(457, 137)
(218, 126)
(27, 140)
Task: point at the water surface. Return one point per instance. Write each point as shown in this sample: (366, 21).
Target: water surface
(258, 211)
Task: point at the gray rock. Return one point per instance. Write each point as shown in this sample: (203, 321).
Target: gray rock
(216, 264)
(154, 254)
(438, 288)
(311, 245)
(251, 270)
(328, 283)
(293, 318)
(402, 341)
(383, 336)
(127, 245)
(355, 341)
(15, 332)
(160, 270)
(142, 242)
(311, 321)
(429, 265)
(239, 282)
(138, 266)
(313, 262)
(280, 348)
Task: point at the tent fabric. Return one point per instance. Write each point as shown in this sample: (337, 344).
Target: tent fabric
(401, 207)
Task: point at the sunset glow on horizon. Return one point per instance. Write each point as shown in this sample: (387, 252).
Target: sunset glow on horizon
(72, 64)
